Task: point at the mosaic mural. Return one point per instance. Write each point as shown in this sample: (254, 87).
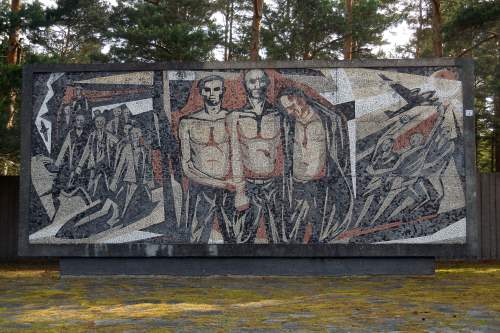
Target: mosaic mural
(327, 155)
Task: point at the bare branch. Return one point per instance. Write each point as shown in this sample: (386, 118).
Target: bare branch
(464, 52)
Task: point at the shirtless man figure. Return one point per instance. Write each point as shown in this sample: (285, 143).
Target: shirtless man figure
(257, 157)
(205, 151)
(309, 166)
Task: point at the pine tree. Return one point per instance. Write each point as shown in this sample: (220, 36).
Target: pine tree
(473, 29)
(162, 31)
(238, 18)
(15, 20)
(72, 31)
(317, 29)
(289, 32)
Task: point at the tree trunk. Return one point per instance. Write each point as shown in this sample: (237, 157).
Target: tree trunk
(226, 29)
(13, 48)
(257, 17)
(231, 21)
(348, 35)
(13, 58)
(307, 55)
(290, 51)
(419, 30)
(437, 38)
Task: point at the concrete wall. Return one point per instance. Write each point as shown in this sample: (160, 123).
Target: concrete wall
(9, 218)
(153, 160)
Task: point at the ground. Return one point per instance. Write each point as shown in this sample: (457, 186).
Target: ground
(460, 297)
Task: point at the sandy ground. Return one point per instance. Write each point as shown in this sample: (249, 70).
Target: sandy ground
(461, 297)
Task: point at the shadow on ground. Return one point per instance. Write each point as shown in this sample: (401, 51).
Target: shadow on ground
(460, 297)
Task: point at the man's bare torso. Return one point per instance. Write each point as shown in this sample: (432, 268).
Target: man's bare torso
(260, 141)
(209, 142)
(309, 150)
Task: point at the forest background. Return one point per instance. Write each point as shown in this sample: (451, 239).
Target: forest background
(99, 31)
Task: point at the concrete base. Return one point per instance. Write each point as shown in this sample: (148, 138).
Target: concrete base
(247, 266)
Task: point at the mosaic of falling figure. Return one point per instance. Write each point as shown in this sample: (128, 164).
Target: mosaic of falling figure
(405, 175)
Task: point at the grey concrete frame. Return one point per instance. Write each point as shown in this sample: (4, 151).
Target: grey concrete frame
(470, 249)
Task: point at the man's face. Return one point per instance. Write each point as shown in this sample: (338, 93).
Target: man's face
(126, 129)
(78, 91)
(256, 83)
(117, 112)
(295, 106)
(79, 121)
(100, 122)
(212, 92)
(67, 110)
(135, 135)
(126, 114)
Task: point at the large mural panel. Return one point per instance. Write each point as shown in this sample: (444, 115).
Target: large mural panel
(260, 156)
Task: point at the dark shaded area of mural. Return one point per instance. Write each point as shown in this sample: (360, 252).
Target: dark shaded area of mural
(98, 173)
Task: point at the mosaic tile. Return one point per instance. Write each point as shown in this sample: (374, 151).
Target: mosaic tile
(259, 156)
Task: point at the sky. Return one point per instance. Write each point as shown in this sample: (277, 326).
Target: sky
(395, 36)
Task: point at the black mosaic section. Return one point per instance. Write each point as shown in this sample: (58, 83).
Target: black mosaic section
(424, 71)
(300, 71)
(412, 229)
(180, 95)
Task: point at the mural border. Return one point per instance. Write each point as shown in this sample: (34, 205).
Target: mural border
(469, 249)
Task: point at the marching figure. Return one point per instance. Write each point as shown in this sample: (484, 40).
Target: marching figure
(98, 156)
(132, 179)
(72, 149)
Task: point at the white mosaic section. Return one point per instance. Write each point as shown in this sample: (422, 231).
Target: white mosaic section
(351, 128)
(455, 233)
(140, 78)
(132, 236)
(135, 107)
(44, 126)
